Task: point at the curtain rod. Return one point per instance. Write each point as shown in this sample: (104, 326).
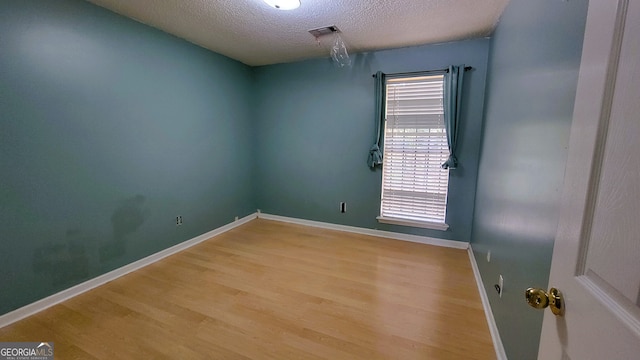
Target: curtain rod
(466, 68)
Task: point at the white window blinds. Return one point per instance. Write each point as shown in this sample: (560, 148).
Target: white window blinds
(414, 186)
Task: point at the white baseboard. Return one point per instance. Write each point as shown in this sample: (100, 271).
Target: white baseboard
(63, 295)
(364, 231)
(491, 321)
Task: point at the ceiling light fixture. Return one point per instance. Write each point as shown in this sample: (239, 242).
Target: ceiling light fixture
(283, 4)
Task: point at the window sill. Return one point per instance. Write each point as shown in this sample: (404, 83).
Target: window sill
(413, 223)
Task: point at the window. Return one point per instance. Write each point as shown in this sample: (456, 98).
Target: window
(414, 185)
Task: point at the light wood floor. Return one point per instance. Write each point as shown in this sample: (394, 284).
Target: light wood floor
(270, 290)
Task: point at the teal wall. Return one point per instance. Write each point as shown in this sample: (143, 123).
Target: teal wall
(109, 129)
(533, 70)
(314, 128)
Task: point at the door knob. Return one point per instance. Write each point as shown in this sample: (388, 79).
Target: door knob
(540, 299)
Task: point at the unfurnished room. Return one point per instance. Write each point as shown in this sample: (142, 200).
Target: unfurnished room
(320, 179)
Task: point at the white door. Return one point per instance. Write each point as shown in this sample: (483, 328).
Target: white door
(596, 258)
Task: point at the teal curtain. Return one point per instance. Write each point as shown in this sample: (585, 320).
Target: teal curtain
(452, 99)
(375, 153)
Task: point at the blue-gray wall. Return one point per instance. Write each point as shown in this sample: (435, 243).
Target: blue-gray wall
(533, 70)
(314, 127)
(109, 129)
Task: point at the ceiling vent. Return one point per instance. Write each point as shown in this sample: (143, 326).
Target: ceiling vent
(324, 31)
(338, 50)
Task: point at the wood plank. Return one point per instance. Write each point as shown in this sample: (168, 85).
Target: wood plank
(271, 290)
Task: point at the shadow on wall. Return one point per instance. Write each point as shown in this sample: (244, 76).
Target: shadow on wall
(66, 262)
(125, 220)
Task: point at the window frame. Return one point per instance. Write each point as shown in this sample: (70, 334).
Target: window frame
(428, 224)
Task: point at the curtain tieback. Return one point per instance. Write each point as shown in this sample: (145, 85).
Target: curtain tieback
(375, 156)
(451, 163)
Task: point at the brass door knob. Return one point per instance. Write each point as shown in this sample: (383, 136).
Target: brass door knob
(537, 298)
(540, 299)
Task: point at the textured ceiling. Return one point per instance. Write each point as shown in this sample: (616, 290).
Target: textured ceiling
(252, 32)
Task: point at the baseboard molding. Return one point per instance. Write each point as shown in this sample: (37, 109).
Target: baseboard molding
(364, 231)
(491, 321)
(76, 290)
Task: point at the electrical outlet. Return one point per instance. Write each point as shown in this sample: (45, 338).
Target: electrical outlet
(489, 256)
(343, 207)
(236, 218)
(178, 220)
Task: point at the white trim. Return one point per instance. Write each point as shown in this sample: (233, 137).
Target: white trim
(358, 230)
(491, 321)
(35, 307)
(420, 224)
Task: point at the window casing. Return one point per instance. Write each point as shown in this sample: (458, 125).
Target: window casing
(414, 185)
